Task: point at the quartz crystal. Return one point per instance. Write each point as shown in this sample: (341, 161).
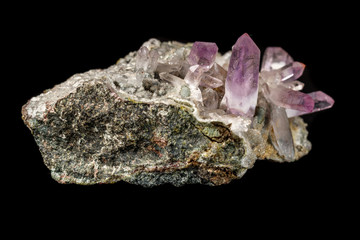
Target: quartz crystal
(146, 63)
(203, 54)
(241, 88)
(283, 141)
(147, 60)
(275, 58)
(279, 74)
(294, 71)
(210, 99)
(287, 98)
(201, 59)
(321, 100)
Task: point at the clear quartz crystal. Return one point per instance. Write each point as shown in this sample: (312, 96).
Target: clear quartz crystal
(210, 81)
(153, 61)
(142, 58)
(147, 60)
(146, 63)
(194, 75)
(174, 80)
(283, 141)
(292, 71)
(275, 58)
(214, 77)
(210, 99)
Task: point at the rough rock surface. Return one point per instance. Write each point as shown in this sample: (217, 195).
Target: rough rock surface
(98, 127)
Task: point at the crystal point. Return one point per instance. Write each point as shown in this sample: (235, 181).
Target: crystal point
(210, 99)
(203, 54)
(275, 58)
(291, 71)
(283, 141)
(321, 100)
(241, 87)
(291, 99)
(147, 60)
(214, 78)
(142, 57)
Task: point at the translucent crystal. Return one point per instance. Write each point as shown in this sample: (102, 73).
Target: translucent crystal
(194, 75)
(214, 78)
(321, 100)
(275, 58)
(147, 60)
(174, 80)
(271, 77)
(142, 58)
(294, 85)
(283, 141)
(218, 72)
(210, 99)
(153, 61)
(146, 63)
(291, 71)
(241, 88)
(291, 99)
(224, 60)
(203, 54)
(210, 81)
(166, 67)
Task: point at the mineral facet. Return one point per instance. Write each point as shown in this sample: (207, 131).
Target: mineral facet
(174, 113)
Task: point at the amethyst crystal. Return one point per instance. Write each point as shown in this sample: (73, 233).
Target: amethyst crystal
(203, 54)
(241, 87)
(279, 74)
(322, 101)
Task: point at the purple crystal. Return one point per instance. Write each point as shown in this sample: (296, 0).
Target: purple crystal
(275, 58)
(203, 54)
(291, 99)
(241, 87)
(322, 101)
(201, 59)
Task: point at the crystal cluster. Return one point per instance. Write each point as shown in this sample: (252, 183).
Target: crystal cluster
(227, 88)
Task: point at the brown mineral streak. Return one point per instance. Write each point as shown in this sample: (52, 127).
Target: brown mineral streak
(160, 141)
(152, 148)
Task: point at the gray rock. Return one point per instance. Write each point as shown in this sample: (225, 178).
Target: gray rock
(99, 127)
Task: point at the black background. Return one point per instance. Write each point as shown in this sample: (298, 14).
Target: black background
(51, 43)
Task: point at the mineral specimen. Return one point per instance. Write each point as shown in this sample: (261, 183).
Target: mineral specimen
(174, 113)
